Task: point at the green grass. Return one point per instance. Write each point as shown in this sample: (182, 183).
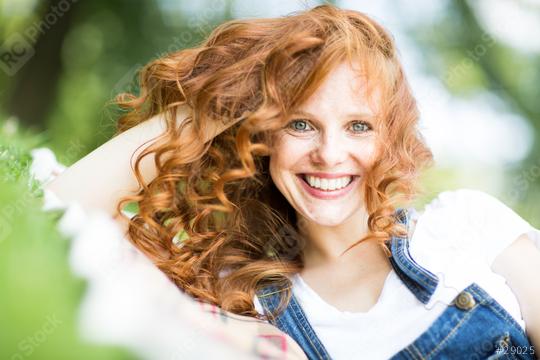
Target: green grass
(39, 296)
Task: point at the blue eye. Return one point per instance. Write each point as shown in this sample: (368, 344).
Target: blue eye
(361, 126)
(302, 125)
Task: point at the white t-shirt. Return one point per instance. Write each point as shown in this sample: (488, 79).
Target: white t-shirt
(457, 237)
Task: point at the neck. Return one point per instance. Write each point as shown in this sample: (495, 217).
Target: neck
(325, 244)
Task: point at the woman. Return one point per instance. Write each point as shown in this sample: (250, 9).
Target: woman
(283, 154)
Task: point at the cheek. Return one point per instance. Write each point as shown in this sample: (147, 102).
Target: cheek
(366, 153)
(286, 154)
(371, 154)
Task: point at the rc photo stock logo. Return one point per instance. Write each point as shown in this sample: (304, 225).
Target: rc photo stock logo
(14, 53)
(18, 49)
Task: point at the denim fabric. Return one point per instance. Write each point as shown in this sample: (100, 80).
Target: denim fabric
(474, 326)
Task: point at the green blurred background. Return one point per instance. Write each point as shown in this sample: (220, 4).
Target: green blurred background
(474, 65)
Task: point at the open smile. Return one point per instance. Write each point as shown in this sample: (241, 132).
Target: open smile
(327, 188)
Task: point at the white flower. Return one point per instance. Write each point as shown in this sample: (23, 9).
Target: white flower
(44, 165)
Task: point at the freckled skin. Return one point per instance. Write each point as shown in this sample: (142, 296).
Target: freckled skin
(328, 143)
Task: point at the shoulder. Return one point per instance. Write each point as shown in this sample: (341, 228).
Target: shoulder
(469, 221)
(451, 208)
(468, 207)
(473, 207)
(461, 198)
(450, 214)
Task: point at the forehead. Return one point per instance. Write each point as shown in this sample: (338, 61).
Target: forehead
(343, 90)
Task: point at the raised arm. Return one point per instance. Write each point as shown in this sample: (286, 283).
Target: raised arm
(102, 177)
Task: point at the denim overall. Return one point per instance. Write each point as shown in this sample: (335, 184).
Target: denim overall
(473, 326)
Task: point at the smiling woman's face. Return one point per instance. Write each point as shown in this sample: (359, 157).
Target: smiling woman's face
(322, 154)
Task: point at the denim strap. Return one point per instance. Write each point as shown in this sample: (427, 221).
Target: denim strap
(293, 321)
(420, 281)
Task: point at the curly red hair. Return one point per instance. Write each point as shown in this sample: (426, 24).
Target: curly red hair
(239, 233)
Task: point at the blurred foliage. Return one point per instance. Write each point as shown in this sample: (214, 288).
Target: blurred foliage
(103, 46)
(469, 60)
(40, 295)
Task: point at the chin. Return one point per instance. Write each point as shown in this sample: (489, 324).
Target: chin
(326, 220)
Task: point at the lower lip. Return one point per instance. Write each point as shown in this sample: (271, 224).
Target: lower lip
(328, 194)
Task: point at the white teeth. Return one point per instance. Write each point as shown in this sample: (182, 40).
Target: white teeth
(328, 184)
(324, 184)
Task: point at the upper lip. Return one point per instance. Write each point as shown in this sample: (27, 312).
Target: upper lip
(328, 175)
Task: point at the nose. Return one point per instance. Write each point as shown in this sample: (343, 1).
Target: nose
(330, 150)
